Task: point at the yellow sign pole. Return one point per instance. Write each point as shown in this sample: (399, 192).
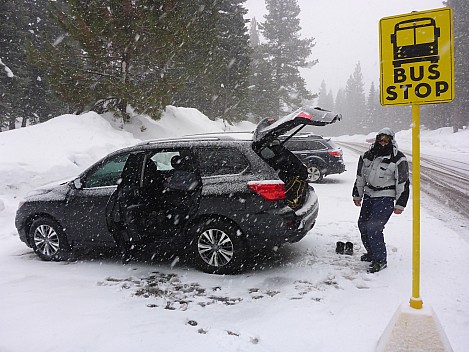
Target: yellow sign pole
(417, 67)
(415, 301)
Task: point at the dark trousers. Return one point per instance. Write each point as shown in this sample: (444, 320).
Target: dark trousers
(374, 215)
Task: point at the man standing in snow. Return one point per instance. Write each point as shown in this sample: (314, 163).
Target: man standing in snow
(383, 184)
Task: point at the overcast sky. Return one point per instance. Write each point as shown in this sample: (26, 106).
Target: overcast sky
(345, 32)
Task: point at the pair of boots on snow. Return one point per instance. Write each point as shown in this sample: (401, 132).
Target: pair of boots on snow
(347, 248)
(344, 248)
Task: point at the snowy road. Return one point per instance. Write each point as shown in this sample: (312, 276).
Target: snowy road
(441, 178)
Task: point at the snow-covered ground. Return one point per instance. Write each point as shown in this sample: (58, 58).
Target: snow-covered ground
(302, 298)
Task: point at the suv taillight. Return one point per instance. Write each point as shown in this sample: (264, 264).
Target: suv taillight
(270, 190)
(335, 153)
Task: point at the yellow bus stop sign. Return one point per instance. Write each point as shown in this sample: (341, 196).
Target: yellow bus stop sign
(416, 56)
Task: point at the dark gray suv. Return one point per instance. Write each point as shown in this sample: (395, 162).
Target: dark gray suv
(217, 198)
(321, 155)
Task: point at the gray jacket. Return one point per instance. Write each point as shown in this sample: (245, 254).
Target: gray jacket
(383, 175)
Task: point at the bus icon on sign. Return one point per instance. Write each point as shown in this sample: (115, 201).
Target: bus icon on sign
(415, 40)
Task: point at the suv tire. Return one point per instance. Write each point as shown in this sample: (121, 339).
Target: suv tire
(314, 173)
(48, 240)
(218, 247)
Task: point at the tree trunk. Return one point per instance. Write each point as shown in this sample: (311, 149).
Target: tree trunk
(122, 107)
(12, 123)
(456, 117)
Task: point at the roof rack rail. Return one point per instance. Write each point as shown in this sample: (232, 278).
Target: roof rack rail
(178, 139)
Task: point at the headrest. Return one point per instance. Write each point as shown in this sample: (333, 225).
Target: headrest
(176, 162)
(181, 162)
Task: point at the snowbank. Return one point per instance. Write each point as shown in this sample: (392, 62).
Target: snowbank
(68, 144)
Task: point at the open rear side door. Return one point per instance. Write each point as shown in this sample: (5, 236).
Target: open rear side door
(122, 208)
(155, 199)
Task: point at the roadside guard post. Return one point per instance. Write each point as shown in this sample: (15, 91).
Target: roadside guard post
(416, 67)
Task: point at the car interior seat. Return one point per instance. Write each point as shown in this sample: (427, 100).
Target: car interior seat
(179, 162)
(151, 174)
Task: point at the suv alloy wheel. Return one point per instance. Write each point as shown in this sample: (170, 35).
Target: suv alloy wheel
(48, 240)
(314, 174)
(217, 247)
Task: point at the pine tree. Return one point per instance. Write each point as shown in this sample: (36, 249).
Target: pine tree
(401, 118)
(355, 99)
(118, 53)
(286, 53)
(373, 107)
(382, 114)
(456, 113)
(460, 106)
(197, 65)
(344, 127)
(215, 63)
(43, 104)
(325, 100)
(233, 53)
(330, 100)
(434, 116)
(9, 51)
(262, 90)
(6, 80)
(25, 97)
(322, 95)
(397, 118)
(340, 101)
(254, 40)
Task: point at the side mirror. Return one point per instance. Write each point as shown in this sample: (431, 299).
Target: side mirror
(77, 183)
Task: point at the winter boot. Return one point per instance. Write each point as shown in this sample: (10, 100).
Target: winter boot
(348, 248)
(339, 249)
(366, 257)
(375, 267)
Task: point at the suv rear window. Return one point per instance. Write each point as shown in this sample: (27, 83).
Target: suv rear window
(221, 161)
(297, 145)
(332, 144)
